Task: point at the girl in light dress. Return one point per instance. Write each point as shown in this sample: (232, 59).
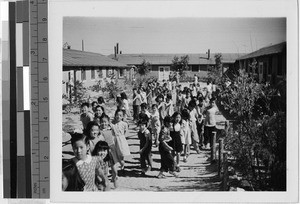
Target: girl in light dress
(155, 124)
(119, 130)
(186, 134)
(89, 167)
(106, 131)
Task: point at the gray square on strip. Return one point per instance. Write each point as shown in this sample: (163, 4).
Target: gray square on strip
(44, 171)
(43, 53)
(43, 112)
(43, 92)
(44, 151)
(34, 68)
(43, 72)
(44, 131)
(42, 33)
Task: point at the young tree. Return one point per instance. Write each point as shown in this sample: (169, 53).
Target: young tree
(181, 64)
(215, 72)
(144, 68)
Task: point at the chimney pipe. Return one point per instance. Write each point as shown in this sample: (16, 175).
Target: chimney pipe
(120, 52)
(69, 47)
(82, 46)
(117, 48)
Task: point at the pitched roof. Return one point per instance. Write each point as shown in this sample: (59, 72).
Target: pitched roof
(273, 49)
(77, 58)
(158, 59)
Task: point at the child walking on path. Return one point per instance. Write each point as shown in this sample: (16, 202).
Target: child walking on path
(145, 147)
(92, 132)
(106, 132)
(89, 167)
(119, 130)
(193, 125)
(176, 143)
(166, 158)
(186, 134)
(209, 122)
(85, 116)
(155, 124)
(136, 102)
(102, 150)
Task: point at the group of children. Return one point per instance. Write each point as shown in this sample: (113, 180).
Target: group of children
(168, 118)
(101, 146)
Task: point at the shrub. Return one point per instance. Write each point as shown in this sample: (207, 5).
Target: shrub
(258, 142)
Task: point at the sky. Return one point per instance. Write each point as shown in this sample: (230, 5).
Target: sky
(173, 35)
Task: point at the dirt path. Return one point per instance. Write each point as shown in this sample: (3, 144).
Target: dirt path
(196, 175)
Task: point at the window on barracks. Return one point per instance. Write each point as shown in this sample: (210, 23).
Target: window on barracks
(93, 73)
(83, 74)
(121, 73)
(195, 68)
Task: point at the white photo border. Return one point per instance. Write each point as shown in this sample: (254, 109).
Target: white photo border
(58, 9)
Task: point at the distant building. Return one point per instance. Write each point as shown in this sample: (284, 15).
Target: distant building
(271, 63)
(89, 68)
(161, 63)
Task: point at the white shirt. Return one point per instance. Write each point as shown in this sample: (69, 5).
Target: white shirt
(210, 119)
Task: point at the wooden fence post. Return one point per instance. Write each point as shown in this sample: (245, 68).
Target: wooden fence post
(213, 147)
(225, 175)
(221, 152)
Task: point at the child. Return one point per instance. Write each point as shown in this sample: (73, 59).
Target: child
(161, 107)
(92, 132)
(102, 150)
(125, 104)
(186, 134)
(99, 110)
(110, 140)
(145, 147)
(169, 105)
(144, 109)
(85, 116)
(186, 99)
(155, 124)
(101, 101)
(94, 105)
(97, 119)
(167, 160)
(89, 167)
(209, 122)
(119, 130)
(119, 102)
(71, 180)
(199, 109)
(179, 100)
(136, 102)
(193, 125)
(176, 133)
(143, 95)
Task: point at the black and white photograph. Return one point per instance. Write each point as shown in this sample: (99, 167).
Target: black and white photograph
(171, 107)
(175, 104)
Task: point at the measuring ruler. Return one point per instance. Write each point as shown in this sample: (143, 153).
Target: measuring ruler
(40, 151)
